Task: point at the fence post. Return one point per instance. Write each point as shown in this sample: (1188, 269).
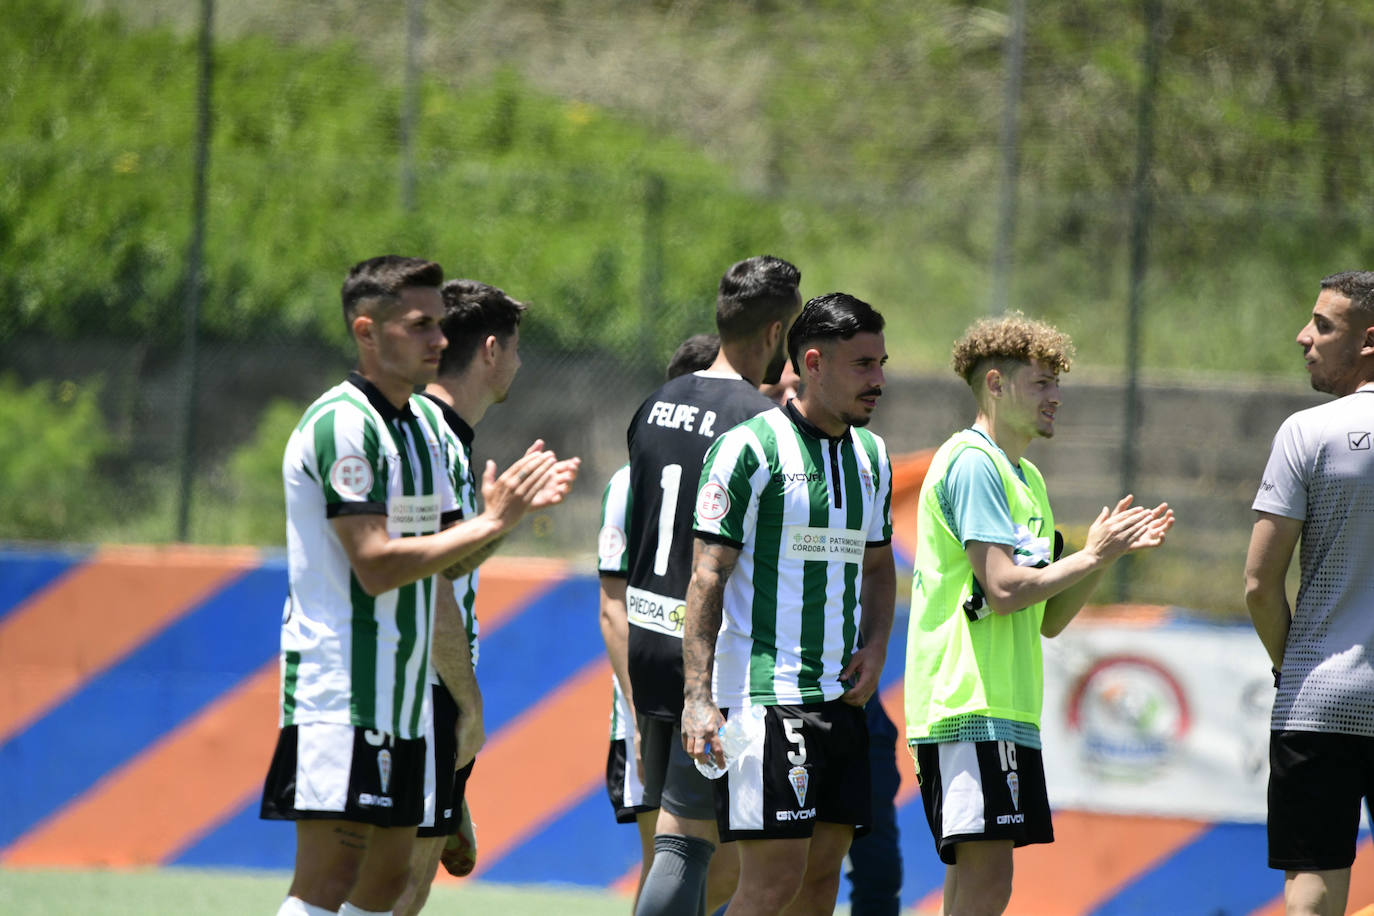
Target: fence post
(1140, 232)
(195, 270)
(410, 100)
(1010, 144)
(651, 279)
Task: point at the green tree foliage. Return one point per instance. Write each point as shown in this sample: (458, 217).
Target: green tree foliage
(540, 194)
(858, 138)
(251, 493)
(49, 479)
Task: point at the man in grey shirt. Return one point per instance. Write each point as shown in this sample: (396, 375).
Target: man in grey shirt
(1319, 485)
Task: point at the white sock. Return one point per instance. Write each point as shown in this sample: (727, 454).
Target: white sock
(349, 909)
(295, 906)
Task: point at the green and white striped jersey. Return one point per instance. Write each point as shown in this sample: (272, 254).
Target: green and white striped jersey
(802, 508)
(458, 436)
(613, 559)
(612, 547)
(347, 657)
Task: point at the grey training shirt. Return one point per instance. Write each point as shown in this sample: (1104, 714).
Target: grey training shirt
(1321, 471)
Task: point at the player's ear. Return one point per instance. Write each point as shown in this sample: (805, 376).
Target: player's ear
(811, 359)
(363, 329)
(489, 348)
(992, 381)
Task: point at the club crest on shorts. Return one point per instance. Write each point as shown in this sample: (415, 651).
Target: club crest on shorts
(1014, 786)
(800, 780)
(384, 768)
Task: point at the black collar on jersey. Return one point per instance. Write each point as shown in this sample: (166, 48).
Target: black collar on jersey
(456, 423)
(388, 410)
(810, 428)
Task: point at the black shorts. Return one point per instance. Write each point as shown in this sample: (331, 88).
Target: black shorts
(804, 764)
(324, 771)
(1317, 781)
(1002, 796)
(444, 786)
(671, 779)
(624, 785)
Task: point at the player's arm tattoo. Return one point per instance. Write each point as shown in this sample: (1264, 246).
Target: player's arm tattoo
(467, 563)
(711, 567)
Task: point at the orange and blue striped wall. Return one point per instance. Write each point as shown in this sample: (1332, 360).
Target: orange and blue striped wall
(138, 709)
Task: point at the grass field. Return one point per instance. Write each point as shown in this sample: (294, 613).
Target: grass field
(154, 892)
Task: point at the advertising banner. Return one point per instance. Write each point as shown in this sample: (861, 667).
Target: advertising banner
(1169, 720)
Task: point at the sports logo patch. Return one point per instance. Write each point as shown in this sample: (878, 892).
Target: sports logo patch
(800, 780)
(1014, 786)
(1031, 550)
(610, 544)
(351, 475)
(713, 502)
(384, 768)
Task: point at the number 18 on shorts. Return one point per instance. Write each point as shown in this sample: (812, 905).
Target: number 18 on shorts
(802, 764)
(983, 790)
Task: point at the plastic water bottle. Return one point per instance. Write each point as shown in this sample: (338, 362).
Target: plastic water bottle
(734, 740)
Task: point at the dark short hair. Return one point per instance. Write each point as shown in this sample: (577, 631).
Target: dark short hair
(834, 316)
(695, 353)
(1356, 284)
(375, 284)
(753, 294)
(473, 312)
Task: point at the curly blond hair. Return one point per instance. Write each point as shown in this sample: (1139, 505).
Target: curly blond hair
(1011, 338)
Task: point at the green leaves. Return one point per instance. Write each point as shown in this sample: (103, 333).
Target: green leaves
(48, 473)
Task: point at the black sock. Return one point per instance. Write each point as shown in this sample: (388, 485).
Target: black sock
(676, 883)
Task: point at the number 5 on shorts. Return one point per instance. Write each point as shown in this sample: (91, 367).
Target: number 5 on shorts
(794, 734)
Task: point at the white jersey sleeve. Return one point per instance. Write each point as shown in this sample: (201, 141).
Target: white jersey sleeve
(1283, 489)
(733, 476)
(612, 544)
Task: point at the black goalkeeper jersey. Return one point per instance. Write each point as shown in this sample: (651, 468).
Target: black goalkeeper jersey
(668, 439)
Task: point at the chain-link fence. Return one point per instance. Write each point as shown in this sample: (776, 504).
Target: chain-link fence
(1168, 182)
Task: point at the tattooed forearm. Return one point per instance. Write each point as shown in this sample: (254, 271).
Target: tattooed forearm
(711, 568)
(471, 561)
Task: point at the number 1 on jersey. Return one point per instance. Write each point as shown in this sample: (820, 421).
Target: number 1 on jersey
(671, 481)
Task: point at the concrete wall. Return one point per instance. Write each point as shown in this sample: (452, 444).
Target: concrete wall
(1203, 440)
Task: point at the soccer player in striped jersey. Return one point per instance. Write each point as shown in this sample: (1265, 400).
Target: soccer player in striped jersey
(624, 780)
(482, 324)
(371, 518)
(988, 585)
(789, 610)
(668, 438)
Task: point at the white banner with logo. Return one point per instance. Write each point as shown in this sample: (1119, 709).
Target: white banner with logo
(1168, 720)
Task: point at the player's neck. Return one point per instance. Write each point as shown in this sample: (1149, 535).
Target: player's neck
(465, 394)
(1012, 443)
(1361, 380)
(395, 389)
(818, 416)
(736, 358)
